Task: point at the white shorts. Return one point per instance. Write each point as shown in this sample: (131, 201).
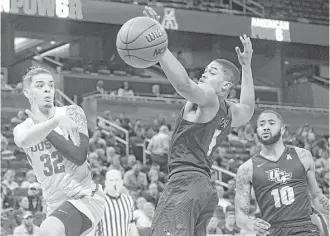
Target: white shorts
(92, 206)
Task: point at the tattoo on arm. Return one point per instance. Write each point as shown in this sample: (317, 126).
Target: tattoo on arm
(324, 201)
(77, 114)
(243, 189)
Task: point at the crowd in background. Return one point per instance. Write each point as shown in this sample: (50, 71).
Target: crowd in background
(21, 196)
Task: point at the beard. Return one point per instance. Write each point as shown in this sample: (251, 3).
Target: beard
(273, 138)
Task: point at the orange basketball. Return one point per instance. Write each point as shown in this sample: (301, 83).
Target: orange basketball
(141, 42)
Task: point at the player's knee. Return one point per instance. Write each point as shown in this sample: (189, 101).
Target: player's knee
(52, 226)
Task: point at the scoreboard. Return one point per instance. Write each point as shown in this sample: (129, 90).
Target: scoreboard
(275, 30)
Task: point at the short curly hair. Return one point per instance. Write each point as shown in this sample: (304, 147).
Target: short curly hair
(31, 72)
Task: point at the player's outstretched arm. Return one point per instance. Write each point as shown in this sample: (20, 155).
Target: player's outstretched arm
(243, 111)
(77, 154)
(242, 202)
(27, 136)
(202, 95)
(319, 201)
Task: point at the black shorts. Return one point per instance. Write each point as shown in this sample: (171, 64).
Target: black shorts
(298, 229)
(74, 221)
(185, 206)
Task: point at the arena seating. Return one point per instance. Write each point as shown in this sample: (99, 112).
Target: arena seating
(305, 11)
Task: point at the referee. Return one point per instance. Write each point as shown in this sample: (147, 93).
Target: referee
(119, 207)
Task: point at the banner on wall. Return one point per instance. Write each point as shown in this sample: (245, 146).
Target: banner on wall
(268, 29)
(71, 9)
(169, 20)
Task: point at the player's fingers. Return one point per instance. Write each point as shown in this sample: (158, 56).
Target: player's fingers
(29, 113)
(262, 225)
(263, 222)
(238, 51)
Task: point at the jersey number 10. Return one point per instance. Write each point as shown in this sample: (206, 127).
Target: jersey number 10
(284, 196)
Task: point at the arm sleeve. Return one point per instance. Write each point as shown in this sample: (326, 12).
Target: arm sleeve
(73, 153)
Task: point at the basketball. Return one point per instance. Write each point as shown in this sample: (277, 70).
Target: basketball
(141, 42)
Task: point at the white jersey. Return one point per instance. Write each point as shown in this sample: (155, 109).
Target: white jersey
(60, 179)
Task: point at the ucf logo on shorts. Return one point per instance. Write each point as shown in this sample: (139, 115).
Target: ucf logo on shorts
(278, 176)
(169, 20)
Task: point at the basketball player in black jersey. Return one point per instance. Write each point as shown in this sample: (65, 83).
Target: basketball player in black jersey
(283, 179)
(189, 199)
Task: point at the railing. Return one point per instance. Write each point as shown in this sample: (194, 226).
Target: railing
(290, 107)
(145, 151)
(108, 124)
(61, 97)
(215, 169)
(219, 171)
(257, 8)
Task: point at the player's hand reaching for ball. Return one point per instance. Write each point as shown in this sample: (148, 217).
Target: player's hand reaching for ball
(149, 12)
(69, 129)
(245, 57)
(260, 227)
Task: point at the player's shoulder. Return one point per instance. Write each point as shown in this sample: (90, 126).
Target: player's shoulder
(245, 170)
(302, 152)
(73, 109)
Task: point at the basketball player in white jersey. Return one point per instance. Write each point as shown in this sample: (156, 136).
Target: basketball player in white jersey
(55, 140)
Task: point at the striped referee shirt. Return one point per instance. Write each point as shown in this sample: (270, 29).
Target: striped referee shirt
(117, 216)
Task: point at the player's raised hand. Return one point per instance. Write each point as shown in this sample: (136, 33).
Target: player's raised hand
(245, 57)
(149, 12)
(261, 227)
(69, 129)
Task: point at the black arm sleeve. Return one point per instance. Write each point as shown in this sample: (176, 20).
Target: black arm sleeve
(73, 153)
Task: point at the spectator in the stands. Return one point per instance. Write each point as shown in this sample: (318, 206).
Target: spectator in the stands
(224, 203)
(144, 217)
(107, 115)
(159, 146)
(230, 193)
(213, 227)
(230, 227)
(30, 178)
(249, 133)
(9, 180)
(115, 165)
(34, 197)
(134, 179)
(111, 153)
(19, 118)
(131, 160)
(154, 178)
(156, 90)
(4, 85)
(6, 154)
(125, 90)
(322, 163)
(99, 87)
(152, 194)
(27, 227)
(19, 87)
(22, 207)
(95, 141)
(139, 215)
(6, 197)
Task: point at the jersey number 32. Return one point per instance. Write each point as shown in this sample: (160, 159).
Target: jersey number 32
(52, 163)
